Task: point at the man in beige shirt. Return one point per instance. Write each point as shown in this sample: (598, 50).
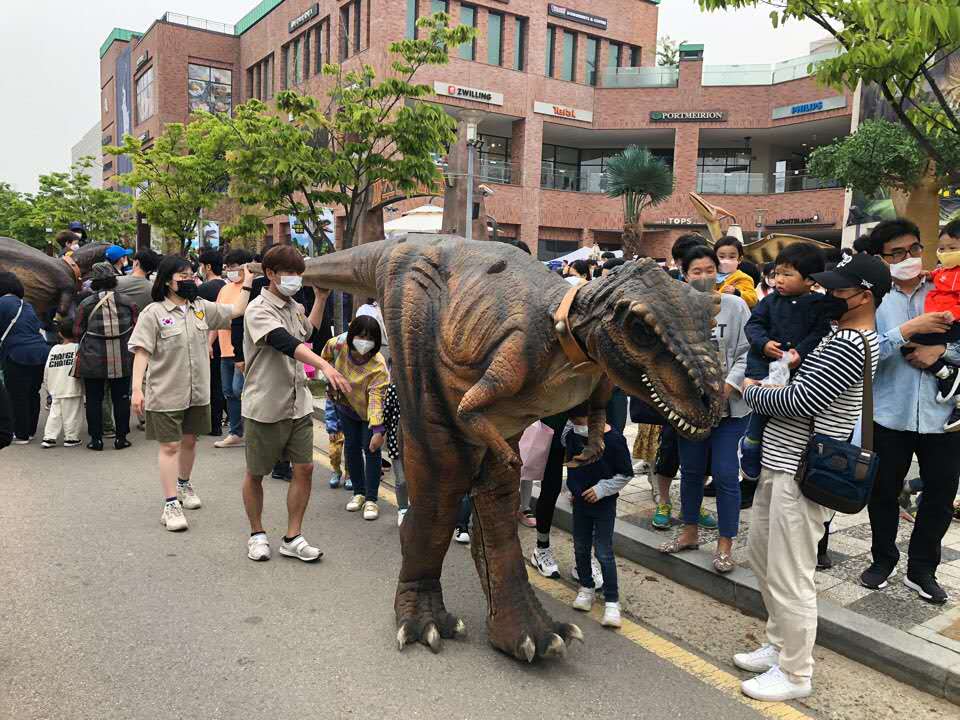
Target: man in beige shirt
(277, 404)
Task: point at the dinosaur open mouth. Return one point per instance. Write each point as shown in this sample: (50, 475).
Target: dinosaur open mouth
(693, 428)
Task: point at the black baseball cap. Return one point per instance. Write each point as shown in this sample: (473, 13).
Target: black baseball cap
(857, 271)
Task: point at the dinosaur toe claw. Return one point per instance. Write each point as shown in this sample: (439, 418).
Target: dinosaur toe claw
(431, 638)
(403, 636)
(460, 630)
(527, 650)
(555, 647)
(574, 633)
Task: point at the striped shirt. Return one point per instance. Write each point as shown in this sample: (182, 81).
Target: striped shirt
(828, 387)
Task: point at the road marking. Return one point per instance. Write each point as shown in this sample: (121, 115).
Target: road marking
(688, 662)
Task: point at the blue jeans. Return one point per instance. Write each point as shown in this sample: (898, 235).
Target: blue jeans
(593, 528)
(463, 513)
(232, 390)
(363, 465)
(721, 447)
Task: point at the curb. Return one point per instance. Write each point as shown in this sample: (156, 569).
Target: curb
(905, 657)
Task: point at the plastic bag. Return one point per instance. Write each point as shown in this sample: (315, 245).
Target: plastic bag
(779, 371)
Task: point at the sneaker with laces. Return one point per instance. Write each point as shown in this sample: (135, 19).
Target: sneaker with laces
(876, 576)
(371, 511)
(749, 453)
(611, 615)
(758, 661)
(948, 385)
(20, 441)
(775, 686)
(356, 503)
(584, 599)
(71, 443)
(543, 560)
(335, 480)
(172, 517)
(348, 484)
(47, 443)
(230, 441)
(461, 536)
(188, 497)
(662, 517)
(927, 587)
(300, 549)
(401, 514)
(597, 573)
(258, 547)
(707, 520)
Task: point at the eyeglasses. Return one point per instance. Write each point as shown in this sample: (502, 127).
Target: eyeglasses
(899, 255)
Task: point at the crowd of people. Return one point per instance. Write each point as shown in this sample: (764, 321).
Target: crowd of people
(183, 347)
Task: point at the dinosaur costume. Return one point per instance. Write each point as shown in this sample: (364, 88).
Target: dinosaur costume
(486, 340)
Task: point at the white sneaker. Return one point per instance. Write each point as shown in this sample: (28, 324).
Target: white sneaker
(71, 443)
(302, 550)
(258, 547)
(188, 497)
(18, 441)
(611, 615)
(584, 600)
(461, 536)
(370, 510)
(775, 686)
(230, 441)
(356, 503)
(401, 514)
(47, 444)
(758, 661)
(172, 517)
(543, 560)
(597, 574)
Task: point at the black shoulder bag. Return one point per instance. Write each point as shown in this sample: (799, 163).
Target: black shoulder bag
(836, 474)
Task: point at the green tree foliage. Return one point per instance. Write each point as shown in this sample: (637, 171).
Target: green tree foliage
(642, 180)
(668, 53)
(182, 174)
(17, 218)
(246, 230)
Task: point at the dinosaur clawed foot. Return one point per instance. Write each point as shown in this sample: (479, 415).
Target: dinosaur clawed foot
(529, 632)
(421, 616)
(550, 645)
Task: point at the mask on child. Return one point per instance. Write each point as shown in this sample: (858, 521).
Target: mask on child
(728, 266)
(233, 275)
(949, 259)
(583, 430)
(906, 270)
(363, 346)
(290, 285)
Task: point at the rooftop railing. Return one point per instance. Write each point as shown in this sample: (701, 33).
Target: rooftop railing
(199, 23)
(641, 77)
(728, 75)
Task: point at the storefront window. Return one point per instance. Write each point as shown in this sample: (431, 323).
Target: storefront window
(495, 39)
(468, 16)
(593, 50)
(723, 160)
(209, 89)
(494, 157)
(519, 43)
(569, 55)
(146, 100)
(567, 168)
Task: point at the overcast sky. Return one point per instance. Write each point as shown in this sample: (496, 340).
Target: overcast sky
(49, 52)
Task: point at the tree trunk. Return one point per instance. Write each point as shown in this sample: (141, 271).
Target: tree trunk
(922, 206)
(632, 240)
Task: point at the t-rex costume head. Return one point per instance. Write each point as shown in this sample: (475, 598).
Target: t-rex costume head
(485, 340)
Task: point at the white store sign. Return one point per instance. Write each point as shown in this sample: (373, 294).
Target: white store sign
(561, 111)
(467, 93)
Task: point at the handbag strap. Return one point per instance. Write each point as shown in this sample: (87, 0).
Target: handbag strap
(12, 322)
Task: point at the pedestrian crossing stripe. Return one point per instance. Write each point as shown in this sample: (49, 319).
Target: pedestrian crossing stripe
(688, 662)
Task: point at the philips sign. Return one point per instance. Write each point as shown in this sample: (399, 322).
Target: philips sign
(814, 106)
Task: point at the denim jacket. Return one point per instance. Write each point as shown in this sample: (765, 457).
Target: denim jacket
(905, 398)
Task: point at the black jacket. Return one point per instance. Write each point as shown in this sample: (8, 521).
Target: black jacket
(797, 323)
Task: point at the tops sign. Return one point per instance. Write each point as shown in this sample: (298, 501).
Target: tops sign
(303, 18)
(577, 16)
(689, 116)
(467, 93)
(560, 111)
(815, 106)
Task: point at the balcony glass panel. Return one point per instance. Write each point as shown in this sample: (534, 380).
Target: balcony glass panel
(641, 77)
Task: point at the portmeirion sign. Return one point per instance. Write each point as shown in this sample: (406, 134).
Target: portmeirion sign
(805, 108)
(688, 116)
(467, 93)
(561, 111)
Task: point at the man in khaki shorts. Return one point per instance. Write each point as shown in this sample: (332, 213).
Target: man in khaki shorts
(277, 404)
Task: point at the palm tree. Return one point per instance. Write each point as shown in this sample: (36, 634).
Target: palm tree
(642, 181)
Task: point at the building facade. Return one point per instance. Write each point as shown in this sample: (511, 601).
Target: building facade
(90, 145)
(560, 88)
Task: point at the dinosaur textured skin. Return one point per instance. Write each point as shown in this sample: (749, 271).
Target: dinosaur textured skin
(476, 359)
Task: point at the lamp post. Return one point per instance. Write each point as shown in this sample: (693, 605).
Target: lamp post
(472, 142)
(759, 219)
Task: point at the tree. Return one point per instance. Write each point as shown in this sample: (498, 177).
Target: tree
(668, 53)
(181, 175)
(247, 230)
(17, 219)
(642, 181)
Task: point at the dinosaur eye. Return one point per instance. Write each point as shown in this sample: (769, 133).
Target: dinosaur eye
(641, 334)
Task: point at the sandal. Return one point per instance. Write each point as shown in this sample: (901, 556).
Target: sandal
(675, 546)
(723, 563)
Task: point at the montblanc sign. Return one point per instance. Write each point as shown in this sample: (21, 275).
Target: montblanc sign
(467, 93)
(688, 116)
(577, 16)
(303, 18)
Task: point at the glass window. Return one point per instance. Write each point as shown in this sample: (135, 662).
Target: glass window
(468, 16)
(251, 84)
(494, 158)
(439, 6)
(306, 55)
(724, 160)
(146, 99)
(495, 39)
(613, 55)
(520, 43)
(412, 12)
(268, 78)
(356, 26)
(318, 41)
(593, 48)
(209, 89)
(569, 55)
(634, 57)
(344, 32)
(551, 48)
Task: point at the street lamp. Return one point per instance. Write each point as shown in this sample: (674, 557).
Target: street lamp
(759, 219)
(473, 140)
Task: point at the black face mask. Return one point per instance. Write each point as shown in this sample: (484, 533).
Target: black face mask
(834, 308)
(187, 289)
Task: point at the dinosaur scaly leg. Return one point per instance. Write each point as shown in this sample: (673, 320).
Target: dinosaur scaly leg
(517, 623)
(437, 479)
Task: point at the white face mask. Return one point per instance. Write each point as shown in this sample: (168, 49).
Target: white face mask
(290, 285)
(581, 430)
(728, 266)
(907, 269)
(363, 346)
(233, 275)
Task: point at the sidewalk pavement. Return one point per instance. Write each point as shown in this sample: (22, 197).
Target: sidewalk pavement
(892, 631)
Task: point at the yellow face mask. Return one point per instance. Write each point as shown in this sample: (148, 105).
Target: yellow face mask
(950, 259)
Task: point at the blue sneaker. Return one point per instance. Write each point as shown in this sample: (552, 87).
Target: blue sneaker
(661, 518)
(749, 453)
(707, 521)
(348, 485)
(335, 480)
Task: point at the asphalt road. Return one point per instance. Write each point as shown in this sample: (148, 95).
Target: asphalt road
(107, 615)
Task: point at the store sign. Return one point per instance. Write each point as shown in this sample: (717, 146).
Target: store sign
(577, 16)
(688, 116)
(812, 220)
(787, 111)
(561, 111)
(677, 221)
(467, 93)
(303, 18)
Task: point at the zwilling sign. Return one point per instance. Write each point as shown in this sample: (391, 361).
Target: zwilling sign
(815, 106)
(466, 93)
(567, 113)
(577, 16)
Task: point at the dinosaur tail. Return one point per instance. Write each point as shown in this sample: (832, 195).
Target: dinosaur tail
(353, 270)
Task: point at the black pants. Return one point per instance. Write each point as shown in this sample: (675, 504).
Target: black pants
(23, 385)
(668, 453)
(939, 458)
(550, 486)
(120, 397)
(217, 401)
(617, 410)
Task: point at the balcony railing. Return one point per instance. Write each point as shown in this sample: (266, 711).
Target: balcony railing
(641, 77)
(199, 23)
(588, 181)
(759, 183)
(490, 171)
(764, 74)
(795, 182)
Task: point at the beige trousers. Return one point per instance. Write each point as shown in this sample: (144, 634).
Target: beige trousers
(785, 528)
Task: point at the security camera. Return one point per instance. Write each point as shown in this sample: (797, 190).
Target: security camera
(486, 190)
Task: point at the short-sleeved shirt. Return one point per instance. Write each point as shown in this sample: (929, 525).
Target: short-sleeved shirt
(274, 384)
(175, 336)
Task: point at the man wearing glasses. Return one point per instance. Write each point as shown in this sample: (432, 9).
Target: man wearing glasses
(908, 420)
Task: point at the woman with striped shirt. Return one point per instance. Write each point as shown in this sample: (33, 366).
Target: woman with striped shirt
(786, 526)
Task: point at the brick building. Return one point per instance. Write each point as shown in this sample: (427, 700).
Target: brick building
(560, 88)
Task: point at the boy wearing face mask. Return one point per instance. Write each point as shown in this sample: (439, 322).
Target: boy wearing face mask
(730, 279)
